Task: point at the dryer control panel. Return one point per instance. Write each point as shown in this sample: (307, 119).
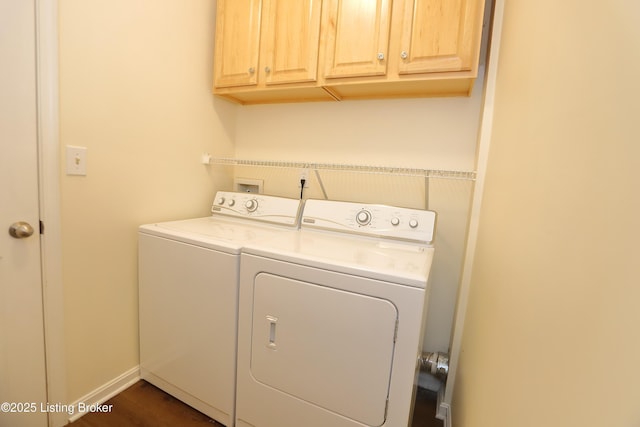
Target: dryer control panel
(371, 220)
(259, 207)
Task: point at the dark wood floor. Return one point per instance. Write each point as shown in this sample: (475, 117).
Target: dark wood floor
(424, 414)
(143, 405)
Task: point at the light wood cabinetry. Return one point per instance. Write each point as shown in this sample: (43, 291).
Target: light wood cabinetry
(357, 37)
(267, 50)
(432, 50)
(439, 36)
(290, 41)
(302, 50)
(237, 43)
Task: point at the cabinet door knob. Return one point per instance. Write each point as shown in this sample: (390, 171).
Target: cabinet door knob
(267, 70)
(380, 56)
(252, 70)
(404, 54)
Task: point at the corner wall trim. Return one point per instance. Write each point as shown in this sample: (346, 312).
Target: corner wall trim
(107, 391)
(486, 128)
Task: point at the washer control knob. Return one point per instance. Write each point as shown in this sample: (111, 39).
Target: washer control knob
(251, 205)
(395, 221)
(231, 202)
(413, 223)
(221, 201)
(363, 217)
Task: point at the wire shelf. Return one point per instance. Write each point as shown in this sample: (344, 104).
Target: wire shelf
(382, 170)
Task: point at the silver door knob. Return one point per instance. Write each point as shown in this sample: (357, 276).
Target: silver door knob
(20, 230)
(404, 54)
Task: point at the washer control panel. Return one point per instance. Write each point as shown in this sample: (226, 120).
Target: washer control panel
(372, 220)
(279, 210)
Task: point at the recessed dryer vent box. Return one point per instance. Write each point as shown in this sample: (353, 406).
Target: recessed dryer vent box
(246, 185)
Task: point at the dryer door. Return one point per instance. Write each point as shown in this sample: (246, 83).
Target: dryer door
(328, 347)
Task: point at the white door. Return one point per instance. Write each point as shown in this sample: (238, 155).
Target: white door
(22, 365)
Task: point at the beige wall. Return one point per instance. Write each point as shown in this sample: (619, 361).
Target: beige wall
(135, 90)
(437, 133)
(551, 335)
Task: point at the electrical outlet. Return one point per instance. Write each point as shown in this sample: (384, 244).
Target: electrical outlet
(304, 174)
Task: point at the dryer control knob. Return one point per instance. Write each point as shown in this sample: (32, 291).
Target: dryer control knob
(232, 202)
(395, 221)
(221, 201)
(413, 223)
(251, 205)
(363, 217)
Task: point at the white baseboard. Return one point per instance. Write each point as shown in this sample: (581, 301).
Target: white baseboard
(106, 391)
(443, 409)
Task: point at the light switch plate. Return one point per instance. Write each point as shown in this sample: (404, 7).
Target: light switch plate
(76, 160)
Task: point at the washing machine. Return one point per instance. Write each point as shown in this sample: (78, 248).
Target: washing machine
(331, 318)
(188, 296)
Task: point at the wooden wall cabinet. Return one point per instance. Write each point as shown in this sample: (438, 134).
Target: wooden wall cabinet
(430, 48)
(439, 36)
(237, 43)
(267, 51)
(306, 50)
(357, 37)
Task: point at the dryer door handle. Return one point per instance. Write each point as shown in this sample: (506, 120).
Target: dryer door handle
(272, 321)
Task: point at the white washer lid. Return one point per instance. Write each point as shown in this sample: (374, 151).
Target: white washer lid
(226, 235)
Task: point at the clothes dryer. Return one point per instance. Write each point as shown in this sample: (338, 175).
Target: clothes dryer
(188, 296)
(331, 318)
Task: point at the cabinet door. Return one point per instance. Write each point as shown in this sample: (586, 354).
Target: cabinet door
(237, 42)
(357, 40)
(440, 35)
(290, 38)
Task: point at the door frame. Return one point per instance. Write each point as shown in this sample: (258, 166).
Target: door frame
(50, 206)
